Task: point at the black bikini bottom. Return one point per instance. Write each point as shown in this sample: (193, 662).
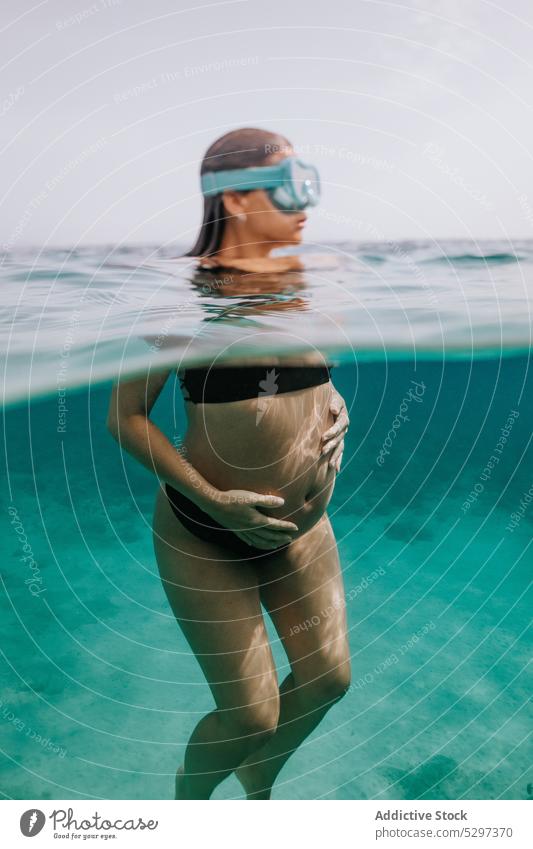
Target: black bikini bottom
(204, 527)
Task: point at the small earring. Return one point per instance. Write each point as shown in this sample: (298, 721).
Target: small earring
(241, 216)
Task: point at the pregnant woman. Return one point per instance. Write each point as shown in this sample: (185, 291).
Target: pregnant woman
(240, 519)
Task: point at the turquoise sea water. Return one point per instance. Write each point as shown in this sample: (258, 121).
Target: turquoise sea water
(433, 517)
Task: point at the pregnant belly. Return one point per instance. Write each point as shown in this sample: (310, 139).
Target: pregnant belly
(269, 446)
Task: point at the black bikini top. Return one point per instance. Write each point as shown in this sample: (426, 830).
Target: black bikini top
(220, 384)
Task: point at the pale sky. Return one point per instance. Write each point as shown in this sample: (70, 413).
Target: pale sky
(417, 114)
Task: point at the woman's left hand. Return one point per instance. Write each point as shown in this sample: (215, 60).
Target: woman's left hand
(333, 439)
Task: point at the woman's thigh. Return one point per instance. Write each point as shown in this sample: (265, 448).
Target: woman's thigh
(303, 590)
(217, 605)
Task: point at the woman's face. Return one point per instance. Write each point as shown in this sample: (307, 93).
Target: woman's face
(264, 221)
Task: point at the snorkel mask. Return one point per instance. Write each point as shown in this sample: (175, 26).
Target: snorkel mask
(292, 185)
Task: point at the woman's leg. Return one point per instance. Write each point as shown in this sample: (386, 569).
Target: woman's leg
(217, 605)
(303, 591)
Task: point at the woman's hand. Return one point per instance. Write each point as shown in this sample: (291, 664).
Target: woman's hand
(333, 439)
(236, 510)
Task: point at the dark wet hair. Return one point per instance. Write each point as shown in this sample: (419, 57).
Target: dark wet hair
(241, 148)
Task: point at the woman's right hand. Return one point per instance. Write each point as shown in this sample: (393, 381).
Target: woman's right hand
(237, 510)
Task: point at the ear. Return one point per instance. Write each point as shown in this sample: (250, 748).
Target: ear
(235, 203)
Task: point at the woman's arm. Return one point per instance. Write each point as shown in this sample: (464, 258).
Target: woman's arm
(129, 421)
